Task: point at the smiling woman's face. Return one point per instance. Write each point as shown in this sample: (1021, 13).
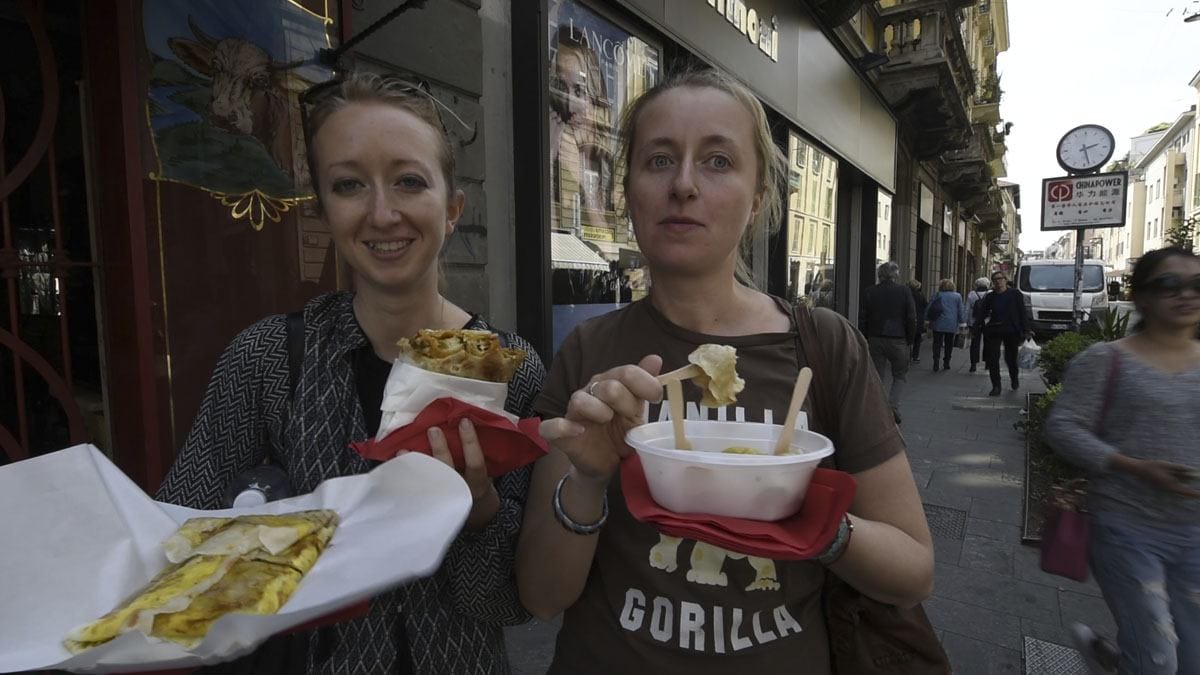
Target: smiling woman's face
(384, 195)
(693, 180)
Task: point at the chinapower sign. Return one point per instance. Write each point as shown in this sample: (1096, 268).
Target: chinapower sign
(1076, 202)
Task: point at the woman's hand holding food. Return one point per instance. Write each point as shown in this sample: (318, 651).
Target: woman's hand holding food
(485, 500)
(592, 433)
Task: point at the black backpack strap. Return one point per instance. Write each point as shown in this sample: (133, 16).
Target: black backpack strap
(295, 345)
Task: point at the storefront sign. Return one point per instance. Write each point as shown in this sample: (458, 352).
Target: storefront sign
(597, 233)
(762, 32)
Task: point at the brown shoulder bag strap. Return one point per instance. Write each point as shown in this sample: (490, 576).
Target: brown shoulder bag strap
(824, 398)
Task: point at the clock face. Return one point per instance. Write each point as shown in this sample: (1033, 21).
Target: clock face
(1085, 148)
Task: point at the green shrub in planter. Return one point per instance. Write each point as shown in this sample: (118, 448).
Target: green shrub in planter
(1039, 410)
(1057, 353)
(1114, 326)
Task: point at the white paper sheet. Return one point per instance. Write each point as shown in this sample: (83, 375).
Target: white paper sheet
(409, 389)
(79, 537)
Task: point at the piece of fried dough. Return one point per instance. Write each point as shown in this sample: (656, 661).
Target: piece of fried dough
(254, 574)
(720, 381)
(235, 536)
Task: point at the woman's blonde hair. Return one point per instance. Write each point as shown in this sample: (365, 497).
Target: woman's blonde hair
(368, 87)
(771, 162)
(945, 285)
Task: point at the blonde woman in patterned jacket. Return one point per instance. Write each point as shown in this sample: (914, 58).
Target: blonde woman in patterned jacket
(383, 171)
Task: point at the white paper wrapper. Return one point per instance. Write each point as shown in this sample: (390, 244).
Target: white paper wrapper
(79, 537)
(409, 389)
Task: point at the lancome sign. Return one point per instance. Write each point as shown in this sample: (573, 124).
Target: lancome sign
(762, 32)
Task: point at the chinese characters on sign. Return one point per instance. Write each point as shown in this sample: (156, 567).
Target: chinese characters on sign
(1074, 202)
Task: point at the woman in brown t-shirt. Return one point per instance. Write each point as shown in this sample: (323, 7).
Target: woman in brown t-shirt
(702, 177)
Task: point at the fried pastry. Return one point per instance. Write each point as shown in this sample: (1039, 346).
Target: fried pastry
(475, 354)
(248, 564)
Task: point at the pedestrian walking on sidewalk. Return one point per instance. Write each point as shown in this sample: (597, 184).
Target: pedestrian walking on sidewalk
(920, 304)
(973, 298)
(889, 320)
(1001, 319)
(1127, 414)
(947, 315)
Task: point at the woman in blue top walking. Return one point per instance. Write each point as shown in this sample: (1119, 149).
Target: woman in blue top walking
(947, 314)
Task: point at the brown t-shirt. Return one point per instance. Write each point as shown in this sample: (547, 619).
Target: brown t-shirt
(660, 604)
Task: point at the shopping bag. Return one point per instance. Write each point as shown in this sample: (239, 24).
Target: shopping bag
(1027, 356)
(960, 340)
(1065, 543)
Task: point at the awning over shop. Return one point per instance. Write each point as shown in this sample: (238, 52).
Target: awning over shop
(568, 252)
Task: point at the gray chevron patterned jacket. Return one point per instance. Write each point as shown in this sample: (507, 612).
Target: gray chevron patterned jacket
(453, 619)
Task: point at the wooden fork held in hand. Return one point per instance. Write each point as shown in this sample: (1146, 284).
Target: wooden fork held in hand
(799, 393)
(679, 374)
(672, 381)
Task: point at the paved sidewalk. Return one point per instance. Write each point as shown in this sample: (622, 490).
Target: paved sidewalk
(995, 610)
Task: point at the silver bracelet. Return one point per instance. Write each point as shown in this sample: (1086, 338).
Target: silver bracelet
(569, 523)
(837, 547)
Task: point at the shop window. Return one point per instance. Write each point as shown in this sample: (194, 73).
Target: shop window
(810, 223)
(597, 68)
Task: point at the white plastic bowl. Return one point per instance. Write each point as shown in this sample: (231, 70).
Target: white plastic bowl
(707, 480)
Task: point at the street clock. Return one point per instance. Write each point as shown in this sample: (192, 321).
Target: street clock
(1085, 148)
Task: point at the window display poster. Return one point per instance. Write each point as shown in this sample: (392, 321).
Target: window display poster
(596, 69)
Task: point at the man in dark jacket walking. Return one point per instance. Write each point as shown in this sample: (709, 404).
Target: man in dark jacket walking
(922, 306)
(889, 320)
(1001, 318)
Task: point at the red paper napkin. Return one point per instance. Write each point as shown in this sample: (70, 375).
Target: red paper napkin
(799, 537)
(506, 446)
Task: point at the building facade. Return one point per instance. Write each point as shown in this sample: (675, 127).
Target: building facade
(1165, 171)
(950, 216)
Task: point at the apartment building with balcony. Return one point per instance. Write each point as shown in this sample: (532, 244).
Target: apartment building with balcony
(1165, 170)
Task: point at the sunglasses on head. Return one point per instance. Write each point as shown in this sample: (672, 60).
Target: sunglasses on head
(1171, 285)
(318, 92)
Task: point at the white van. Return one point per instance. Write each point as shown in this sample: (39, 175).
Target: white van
(1049, 288)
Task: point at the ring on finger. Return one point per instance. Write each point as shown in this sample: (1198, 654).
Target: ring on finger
(591, 388)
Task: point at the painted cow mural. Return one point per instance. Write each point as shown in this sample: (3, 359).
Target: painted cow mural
(250, 90)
